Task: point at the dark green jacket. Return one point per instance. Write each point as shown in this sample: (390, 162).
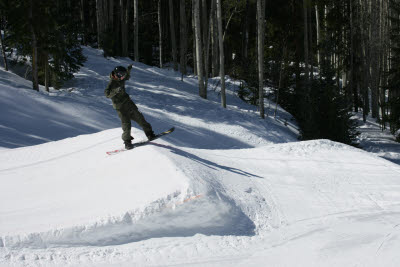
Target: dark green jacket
(116, 91)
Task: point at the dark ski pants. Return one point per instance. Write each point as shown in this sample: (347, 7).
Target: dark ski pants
(129, 112)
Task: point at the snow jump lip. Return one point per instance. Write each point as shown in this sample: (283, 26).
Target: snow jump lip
(206, 214)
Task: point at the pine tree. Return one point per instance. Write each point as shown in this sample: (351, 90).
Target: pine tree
(49, 36)
(327, 114)
(2, 44)
(64, 48)
(394, 74)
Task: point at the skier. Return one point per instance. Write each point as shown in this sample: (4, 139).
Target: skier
(126, 109)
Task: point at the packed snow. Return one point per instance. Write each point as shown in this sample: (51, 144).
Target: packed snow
(226, 188)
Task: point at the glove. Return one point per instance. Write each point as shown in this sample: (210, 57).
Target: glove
(129, 67)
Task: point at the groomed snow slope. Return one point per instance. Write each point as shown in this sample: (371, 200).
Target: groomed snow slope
(225, 189)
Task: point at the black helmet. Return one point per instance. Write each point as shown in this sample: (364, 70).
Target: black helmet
(120, 72)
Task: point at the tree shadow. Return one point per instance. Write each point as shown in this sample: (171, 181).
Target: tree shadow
(164, 100)
(204, 162)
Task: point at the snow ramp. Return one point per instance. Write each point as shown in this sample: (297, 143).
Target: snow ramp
(70, 193)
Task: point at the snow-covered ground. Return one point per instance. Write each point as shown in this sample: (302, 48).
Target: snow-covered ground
(374, 140)
(225, 189)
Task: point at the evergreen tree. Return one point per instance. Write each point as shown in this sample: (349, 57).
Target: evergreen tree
(324, 111)
(2, 44)
(56, 28)
(394, 74)
(64, 48)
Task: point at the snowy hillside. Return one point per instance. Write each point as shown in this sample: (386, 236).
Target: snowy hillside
(81, 108)
(225, 189)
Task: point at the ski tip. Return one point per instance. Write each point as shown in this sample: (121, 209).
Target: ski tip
(110, 153)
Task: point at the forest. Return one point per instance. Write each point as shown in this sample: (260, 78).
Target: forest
(321, 60)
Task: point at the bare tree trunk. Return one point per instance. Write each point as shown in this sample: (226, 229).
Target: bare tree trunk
(160, 32)
(353, 88)
(260, 36)
(375, 52)
(384, 60)
(3, 47)
(229, 20)
(183, 37)
(46, 71)
(172, 32)
(337, 66)
(136, 29)
(215, 44)
(104, 12)
(366, 60)
(281, 73)
(82, 10)
(100, 17)
(207, 46)
(199, 56)
(221, 54)
(92, 18)
(104, 18)
(127, 19)
(110, 14)
(124, 26)
(194, 40)
(382, 94)
(35, 79)
(318, 35)
(204, 31)
(344, 78)
(245, 45)
(305, 38)
(310, 36)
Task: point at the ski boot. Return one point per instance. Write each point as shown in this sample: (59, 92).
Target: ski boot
(150, 135)
(128, 144)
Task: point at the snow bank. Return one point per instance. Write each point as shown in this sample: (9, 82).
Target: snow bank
(169, 217)
(74, 194)
(233, 207)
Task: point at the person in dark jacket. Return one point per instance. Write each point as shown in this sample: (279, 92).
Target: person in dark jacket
(126, 109)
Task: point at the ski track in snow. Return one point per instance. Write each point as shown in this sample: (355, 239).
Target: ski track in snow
(229, 190)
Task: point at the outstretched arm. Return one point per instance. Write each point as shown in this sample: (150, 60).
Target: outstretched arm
(129, 72)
